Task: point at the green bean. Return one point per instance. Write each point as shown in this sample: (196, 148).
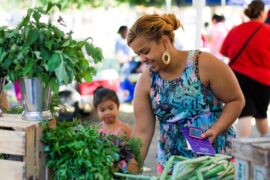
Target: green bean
(227, 170)
(167, 168)
(213, 172)
(199, 175)
(132, 176)
(194, 178)
(230, 177)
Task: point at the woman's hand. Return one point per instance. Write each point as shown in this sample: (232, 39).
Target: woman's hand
(211, 134)
(133, 167)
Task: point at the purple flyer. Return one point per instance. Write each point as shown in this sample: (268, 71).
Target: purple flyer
(198, 146)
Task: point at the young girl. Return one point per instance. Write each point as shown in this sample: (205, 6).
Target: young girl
(107, 104)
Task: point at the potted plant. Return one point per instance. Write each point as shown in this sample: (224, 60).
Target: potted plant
(39, 50)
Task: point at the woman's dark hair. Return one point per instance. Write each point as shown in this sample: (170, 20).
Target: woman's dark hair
(102, 94)
(254, 9)
(218, 18)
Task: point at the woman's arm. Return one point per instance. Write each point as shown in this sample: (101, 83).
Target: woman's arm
(225, 86)
(145, 119)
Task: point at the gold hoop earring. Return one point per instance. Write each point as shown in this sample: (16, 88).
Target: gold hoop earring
(166, 58)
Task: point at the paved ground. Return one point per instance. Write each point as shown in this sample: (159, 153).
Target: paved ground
(126, 114)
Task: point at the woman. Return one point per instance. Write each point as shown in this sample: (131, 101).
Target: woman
(217, 35)
(180, 89)
(248, 48)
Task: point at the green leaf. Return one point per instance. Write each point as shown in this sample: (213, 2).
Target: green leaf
(88, 77)
(32, 37)
(89, 48)
(2, 55)
(26, 19)
(28, 67)
(36, 16)
(61, 74)
(49, 44)
(55, 61)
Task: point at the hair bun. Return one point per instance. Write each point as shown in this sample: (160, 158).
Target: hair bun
(172, 20)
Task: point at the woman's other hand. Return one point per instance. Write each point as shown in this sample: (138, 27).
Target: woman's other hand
(211, 134)
(133, 167)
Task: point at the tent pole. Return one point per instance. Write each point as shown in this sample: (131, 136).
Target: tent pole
(199, 5)
(168, 6)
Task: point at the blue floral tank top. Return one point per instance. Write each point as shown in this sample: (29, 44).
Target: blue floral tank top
(185, 102)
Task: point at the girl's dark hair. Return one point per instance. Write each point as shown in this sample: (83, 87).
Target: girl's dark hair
(218, 18)
(254, 9)
(102, 94)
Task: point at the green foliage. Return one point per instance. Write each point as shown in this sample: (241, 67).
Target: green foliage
(78, 3)
(74, 151)
(14, 110)
(127, 148)
(38, 49)
(77, 152)
(98, 3)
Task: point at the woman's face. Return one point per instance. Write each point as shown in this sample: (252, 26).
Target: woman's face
(107, 111)
(149, 51)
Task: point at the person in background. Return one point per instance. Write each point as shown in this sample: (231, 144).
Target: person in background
(248, 48)
(124, 54)
(217, 35)
(267, 21)
(128, 65)
(180, 89)
(107, 105)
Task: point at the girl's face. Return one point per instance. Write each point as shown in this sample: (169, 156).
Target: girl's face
(150, 52)
(107, 111)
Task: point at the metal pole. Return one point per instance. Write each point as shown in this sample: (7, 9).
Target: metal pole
(168, 6)
(223, 3)
(33, 3)
(199, 5)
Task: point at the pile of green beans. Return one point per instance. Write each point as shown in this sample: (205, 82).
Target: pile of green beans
(205, 167)
(200, 168)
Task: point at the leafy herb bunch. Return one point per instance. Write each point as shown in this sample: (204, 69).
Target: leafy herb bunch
(126, 148)
(40, 49)
(77, 152)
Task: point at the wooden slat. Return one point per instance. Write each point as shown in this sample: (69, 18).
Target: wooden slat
(15, 121)
(12, 170)
(12, 142)
(251, 140)
(41, 161)
(255, 150)
(30, 153)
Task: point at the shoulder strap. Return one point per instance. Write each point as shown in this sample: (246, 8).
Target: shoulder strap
(244, 46)
(196, 63)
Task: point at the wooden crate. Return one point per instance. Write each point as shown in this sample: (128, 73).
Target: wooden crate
(20, 141)
(252, 158)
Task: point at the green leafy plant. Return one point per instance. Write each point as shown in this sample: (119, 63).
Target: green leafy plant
(74, 151)
(40, 49)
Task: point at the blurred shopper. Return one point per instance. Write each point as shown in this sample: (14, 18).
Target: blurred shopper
(124, 54)
(217, 35)
(268, 17)
(248, 48)
(128, 65)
